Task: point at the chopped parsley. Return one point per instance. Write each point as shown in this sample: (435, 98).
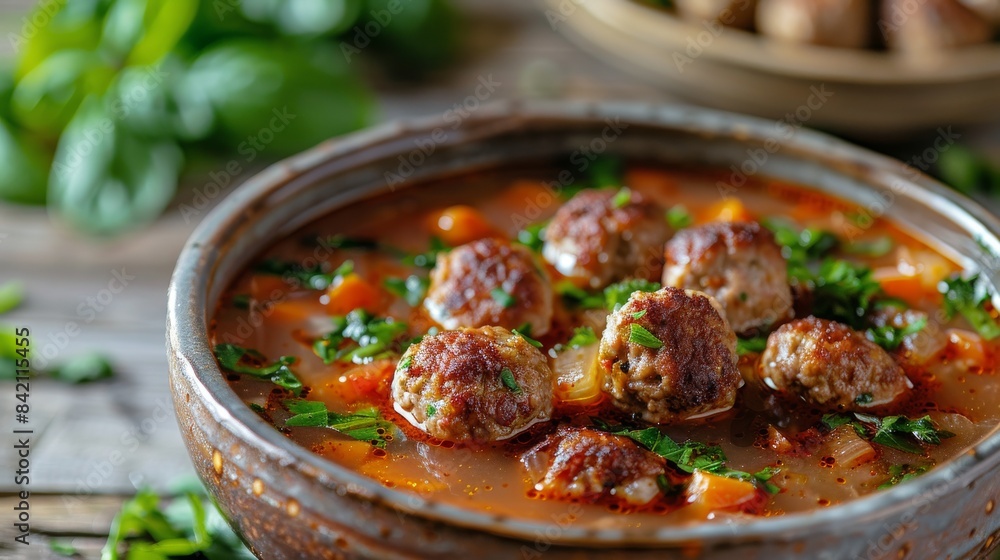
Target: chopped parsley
(622, 198)
(877, 247)
(616, 295)
(429, 258)
(365, 424)
(890, 337)
(901, 473)
(532, 237)
(241, 301)
(405, 363)
(799, 247)
(690, 456)
(412, 288)
(864, 398)
(639, 314)
(606, 171)
(251, 362)
(431, 411)
(969, 297)
(844, 292)
(315, 277)
(359, 337)
(503, 297)
(639, 335)
(341, 241)
(753, 345)
(582, 336)
(897, 432)
(678, 217)
(578, 297)
(507, 378)
(524, 331)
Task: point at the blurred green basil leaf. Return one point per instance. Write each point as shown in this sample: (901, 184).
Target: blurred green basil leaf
(25, 167)
(47, 97)
(276, 98)
(304, 17)
(142, 32)
(105, 178)
(60, 25)
(413, 36)
(143, 99)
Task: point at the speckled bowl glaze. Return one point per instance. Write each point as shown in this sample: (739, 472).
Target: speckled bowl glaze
(287, 502)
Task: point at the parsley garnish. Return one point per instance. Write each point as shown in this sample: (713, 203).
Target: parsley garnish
(872, 248)
(428, 259)
(366, 424)
(413, 288)
(754, 345)
(639, 335)
(251, 362)
(582, 336)
(241, 301)
(622, 198)
(606, 171)
(890, 337)
(689, 456)
(639, 314)
(901, 473)
(507, 378)
(532, 237)
(897, 432)
(405, 363)
(503, 297)
(678, 217)
(524, 331)
(968, 298)
(616, 295)
(314, 277)
(431, 411)
(359, 337)
(578, 297)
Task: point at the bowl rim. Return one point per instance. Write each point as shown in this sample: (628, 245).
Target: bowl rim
(665, 30)
(191, 355)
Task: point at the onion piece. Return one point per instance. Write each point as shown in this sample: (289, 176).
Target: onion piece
(578, 375)
(848, 449)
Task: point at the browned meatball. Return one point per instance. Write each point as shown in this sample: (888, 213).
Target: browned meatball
(590, 465)
(600, 236)
(670, 356)
(829, 365)
(473, 385)
(489, 282)
(737, 263)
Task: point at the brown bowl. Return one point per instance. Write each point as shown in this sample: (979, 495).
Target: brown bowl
(862, 92)
(287, 502)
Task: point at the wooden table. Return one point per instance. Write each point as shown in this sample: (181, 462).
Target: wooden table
(94, 444)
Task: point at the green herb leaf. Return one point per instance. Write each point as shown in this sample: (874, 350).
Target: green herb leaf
(678, 217)
(967, 171)
(578, 297)
(532, 237)
(429, 258)
(754, 345)
(251, 362)
(345, 242)
(968, 297)
(639, 335)
(901, 473)
(412, 289)
(877, 247)
(890, 337)
(314, 277)
(431, 411)
(524, 331)
(241, 301)
(11, 296)
(507, 378)
(897, 432)
(365, 424)
(844, 292)
(83, 369)
(616, 295)
(606, 171)
(62, 548)
(405, 363)
(503, 297)
(864, 398)
(622, 198)
(582, 336)
(360, 337)
(639, 314)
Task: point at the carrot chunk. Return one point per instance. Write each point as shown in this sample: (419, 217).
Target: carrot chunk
(458, 225)
(729, 209)
(711, 492)
(353, 292)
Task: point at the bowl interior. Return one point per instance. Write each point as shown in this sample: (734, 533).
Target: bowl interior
(304, 188)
